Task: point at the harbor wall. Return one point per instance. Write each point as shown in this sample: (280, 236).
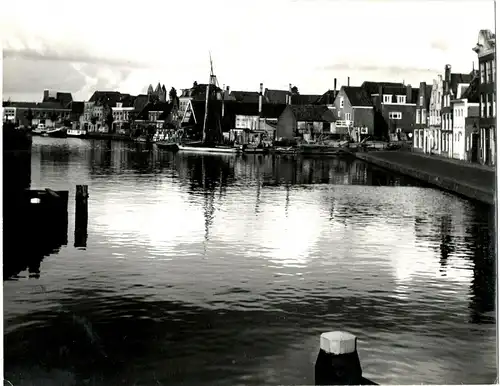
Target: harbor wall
(437, 177)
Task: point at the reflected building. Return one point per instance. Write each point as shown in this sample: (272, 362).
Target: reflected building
(481, 241)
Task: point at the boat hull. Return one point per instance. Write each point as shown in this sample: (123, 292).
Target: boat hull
(57, 133)
(206, 149)
(76, 133)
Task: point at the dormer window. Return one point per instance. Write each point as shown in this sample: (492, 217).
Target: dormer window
(401, 99)
(119, 104)
(387, 98)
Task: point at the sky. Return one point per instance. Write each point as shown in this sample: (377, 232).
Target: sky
(105, 45)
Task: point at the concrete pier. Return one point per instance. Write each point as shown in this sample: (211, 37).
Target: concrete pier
(476, 182)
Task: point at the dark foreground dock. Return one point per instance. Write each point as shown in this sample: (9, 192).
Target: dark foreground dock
(473, 181)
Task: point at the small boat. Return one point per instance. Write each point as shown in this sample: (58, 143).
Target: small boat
(209, 149)
(59, 132)
(80, 133)
(250, 149)
(39, 130)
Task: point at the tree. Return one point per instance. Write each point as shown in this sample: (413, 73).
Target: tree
(172, 94)
(109, 120)
(295, 90)
(93, 119)
(29, 116)
(195, 84)
(54, 117)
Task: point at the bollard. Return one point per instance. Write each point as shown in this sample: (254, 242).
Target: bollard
(81, 216)
(338, 361)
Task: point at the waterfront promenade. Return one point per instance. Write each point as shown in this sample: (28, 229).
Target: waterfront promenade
(473, 181)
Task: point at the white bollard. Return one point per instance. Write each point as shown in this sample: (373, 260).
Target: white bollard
(338, 360)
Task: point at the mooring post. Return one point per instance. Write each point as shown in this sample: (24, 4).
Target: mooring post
(81, 215)
(338, 361)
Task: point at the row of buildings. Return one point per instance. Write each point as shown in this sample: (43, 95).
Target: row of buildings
(454, 116)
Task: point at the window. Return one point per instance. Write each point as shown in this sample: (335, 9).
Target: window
(424, 116)
(481, 70)
(401, 99)
(341, 102)
(481, 106)
(487, 107)
(421, 101)
(347, 116)
(493, 71)
(387, 98)
(338, 113)
(494, 112)
(395, 115)
(418, 117)
(488, 71)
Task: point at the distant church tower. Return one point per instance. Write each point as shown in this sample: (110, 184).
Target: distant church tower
(158, 94)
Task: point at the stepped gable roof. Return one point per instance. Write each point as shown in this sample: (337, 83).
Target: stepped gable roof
(313, 113)
(357, 96)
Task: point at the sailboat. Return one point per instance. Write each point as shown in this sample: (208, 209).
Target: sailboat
(207, 146)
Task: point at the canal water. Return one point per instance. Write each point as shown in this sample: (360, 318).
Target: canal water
(224, 269)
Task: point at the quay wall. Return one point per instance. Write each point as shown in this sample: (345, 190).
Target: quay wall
(435, 177)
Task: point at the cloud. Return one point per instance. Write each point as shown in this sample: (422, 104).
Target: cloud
(439, 45)
(46, 53)
(374, 67)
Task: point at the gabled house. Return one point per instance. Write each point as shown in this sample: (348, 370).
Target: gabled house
(433, 135)
(196, 93)
(485, 50)
(465, 118)
(305, 121)
(123, 115)
(394, 109)
(453, 86)
(156, 114)
(354, 113)
(422, 118)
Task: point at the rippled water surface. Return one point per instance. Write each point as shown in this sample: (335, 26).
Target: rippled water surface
(226, 269)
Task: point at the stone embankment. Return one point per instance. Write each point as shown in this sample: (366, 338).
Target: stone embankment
(476, 182)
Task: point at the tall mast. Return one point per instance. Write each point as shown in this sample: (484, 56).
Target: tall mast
(212, 80)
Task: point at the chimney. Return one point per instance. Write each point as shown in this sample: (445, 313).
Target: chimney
(223, 91)
(447, 77)
(408, 93)
(348, 81)
(45, 95)
(380, 92)
(260, 99)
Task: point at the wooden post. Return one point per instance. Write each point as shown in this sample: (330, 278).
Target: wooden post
(81, 216)
(338, 361)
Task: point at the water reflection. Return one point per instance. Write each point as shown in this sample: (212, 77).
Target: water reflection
(226, 269)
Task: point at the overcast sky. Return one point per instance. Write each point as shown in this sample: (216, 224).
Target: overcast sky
(102, 45)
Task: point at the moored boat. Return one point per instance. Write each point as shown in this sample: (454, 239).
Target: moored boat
(59, 132)
(79, 133)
